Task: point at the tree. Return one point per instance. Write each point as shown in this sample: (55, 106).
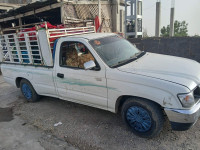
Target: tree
(165, 31)
(196, 35)
(180, 29)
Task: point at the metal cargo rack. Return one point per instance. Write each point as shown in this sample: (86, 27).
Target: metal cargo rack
(57, 33)
(34, 47)
(22, 47)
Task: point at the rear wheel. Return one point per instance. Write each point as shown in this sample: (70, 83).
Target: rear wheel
(143, 117)
(28, 91)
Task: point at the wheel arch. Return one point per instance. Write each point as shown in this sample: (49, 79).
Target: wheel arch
(18, 80)
(120, 101)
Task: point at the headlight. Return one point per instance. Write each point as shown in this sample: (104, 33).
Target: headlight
(187, 100)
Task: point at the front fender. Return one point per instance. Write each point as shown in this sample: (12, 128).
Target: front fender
(162, 92)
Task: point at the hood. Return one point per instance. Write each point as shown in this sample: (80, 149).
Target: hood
(178, 70)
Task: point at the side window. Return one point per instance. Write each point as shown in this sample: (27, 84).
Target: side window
(75, 54)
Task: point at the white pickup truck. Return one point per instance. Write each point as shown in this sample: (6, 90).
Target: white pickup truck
(105, 71)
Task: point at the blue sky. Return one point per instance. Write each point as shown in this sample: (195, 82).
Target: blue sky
(188, 10)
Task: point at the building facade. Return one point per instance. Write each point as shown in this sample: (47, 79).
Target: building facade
(65, 12)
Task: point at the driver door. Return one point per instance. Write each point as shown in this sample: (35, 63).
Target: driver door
(73, 82)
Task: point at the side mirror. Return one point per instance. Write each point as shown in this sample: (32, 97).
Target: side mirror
(89, 65)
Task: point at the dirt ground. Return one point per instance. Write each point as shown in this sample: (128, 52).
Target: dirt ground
(89, 128)
(16, 133)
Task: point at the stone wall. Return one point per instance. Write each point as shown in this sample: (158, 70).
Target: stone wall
(188, 47)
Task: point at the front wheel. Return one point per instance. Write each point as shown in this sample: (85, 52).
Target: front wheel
(28, 91)
(143, 117)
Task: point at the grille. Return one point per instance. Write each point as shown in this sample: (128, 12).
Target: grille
(197, 94)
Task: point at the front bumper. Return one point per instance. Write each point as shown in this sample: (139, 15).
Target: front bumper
(183, 119)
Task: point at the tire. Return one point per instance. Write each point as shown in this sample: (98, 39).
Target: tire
(28, 91)
(143, 117)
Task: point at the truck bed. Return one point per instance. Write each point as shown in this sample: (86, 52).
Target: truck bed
(41, 77)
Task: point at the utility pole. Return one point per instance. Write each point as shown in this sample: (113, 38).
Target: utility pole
(158, 15)
(171, 33)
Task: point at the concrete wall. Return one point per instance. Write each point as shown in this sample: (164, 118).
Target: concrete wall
(188, 47)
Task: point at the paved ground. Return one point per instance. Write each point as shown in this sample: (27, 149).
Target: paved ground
(15, 132)
(82, 127)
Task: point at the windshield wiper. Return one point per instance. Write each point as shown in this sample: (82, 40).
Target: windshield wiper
(140, 53)
(132, 58)
(123, 61)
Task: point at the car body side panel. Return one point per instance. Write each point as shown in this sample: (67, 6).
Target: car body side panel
(159, 91)
(40, 77)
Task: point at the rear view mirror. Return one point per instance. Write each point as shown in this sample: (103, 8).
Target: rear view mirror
(89, 65)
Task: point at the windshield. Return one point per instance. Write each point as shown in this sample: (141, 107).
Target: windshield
(115, 50)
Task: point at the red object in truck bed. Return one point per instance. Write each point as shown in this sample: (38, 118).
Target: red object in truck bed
(42, 26)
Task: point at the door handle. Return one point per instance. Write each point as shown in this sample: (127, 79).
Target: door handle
(60, 75)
